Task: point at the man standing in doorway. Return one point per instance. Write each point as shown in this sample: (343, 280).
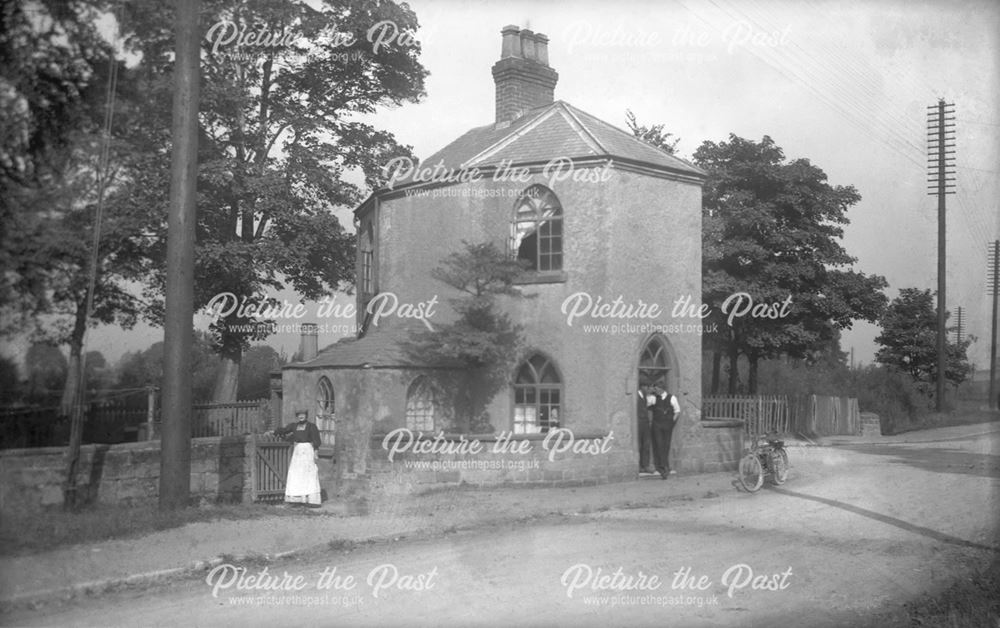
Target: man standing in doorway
(643, 417)
(665, 411)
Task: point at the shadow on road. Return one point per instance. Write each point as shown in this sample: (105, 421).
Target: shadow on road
(893, 521)
(937, 460)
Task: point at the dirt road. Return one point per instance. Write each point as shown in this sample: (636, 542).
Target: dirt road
(855, 530)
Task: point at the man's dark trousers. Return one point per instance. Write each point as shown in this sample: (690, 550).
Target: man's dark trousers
(661, 431)
(662, 428)
(645, 439)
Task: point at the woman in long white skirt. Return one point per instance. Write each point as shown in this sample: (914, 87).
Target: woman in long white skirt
(302, 484)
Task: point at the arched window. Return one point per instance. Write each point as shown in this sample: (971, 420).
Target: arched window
(324, 397)
(423, 405)
(654, 364)
(537, 231)
(537, 396)
(325, 410)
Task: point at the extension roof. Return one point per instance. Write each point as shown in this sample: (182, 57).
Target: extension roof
(381, 347)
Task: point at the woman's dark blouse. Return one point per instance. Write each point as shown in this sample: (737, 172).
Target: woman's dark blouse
(308, 435)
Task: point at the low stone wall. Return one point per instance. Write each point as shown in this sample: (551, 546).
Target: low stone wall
(127, 473)
(871, 425)
(425, 462)
(489, 460)
(707, 446)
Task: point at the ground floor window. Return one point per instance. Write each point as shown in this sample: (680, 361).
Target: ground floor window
(538, 395)
(423, 405)
(325, 410)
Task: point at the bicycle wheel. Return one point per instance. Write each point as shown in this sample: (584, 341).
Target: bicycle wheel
(778, 461)
(751, 473)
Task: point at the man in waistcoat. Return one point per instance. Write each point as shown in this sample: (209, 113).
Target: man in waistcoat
(665, 412)
(643, 417)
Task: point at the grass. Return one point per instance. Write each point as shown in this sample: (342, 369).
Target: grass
(948, 419)
(22, 533)
(972, 602)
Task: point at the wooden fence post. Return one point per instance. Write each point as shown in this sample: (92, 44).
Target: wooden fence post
(150, 411)
(251, 458)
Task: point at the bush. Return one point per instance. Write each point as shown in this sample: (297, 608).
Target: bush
(900, 402)
(893, 396)
(797, 378)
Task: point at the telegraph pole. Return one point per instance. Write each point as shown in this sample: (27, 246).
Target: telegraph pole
(940, 164)
(994, 284)
(175, 442)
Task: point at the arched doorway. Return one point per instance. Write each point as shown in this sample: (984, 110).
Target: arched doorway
(657, 367)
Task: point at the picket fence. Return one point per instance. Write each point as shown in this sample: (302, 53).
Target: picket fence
(761, 414)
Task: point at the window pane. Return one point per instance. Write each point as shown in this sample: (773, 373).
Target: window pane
(421, 406)
(537, 232)
(324, 396)
(537, 403)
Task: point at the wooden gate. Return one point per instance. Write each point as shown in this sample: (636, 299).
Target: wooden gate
(269, 467)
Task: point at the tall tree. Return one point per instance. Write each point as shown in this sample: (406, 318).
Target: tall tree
(45, 366)
(50, 56)
(909, 341)
(138, 369)
(772, 230)
(49, 50)
(255, 372)
(280, 130)
(652, 134)
(52, 251)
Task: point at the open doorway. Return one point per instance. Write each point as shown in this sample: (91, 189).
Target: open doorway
(656, 368)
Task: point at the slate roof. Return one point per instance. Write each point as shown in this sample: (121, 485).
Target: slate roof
(555, 130)
(381, 346)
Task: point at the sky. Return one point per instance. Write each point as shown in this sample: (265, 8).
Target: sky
(844, 84)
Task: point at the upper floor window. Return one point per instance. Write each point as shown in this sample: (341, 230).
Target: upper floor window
(537, 396)
(423, 405)
(366, 283)
(537, 231)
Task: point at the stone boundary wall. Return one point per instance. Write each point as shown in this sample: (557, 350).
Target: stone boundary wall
(698, 447)
(871, 424)
(128, 473)
(595, 460)
(707, 446)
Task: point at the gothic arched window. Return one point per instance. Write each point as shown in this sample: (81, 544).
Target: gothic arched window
(537, 231)
(423, 405)
(538, 394)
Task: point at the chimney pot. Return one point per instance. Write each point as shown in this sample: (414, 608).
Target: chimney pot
(528, 45)
(511, 45)
(542, 48)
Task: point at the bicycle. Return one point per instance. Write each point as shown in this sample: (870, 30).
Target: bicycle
(763, 457)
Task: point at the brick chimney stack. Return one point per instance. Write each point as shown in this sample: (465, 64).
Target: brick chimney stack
(523, 77)
(308, 342)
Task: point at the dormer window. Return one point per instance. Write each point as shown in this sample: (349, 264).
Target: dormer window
(537, 230)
